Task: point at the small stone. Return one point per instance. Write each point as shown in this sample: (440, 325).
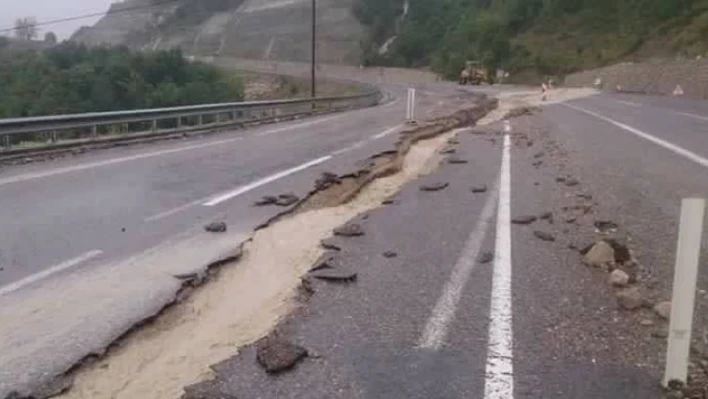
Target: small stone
(646, 322)
(571, 182)
(335, 275)
(122, 230)
(630, 298)
(663, 309)
(456, 161)
(599, 255)
(542, 235)
(537, 184)
(486, 257)
(571, 219)
(524, 220)
(434, 186)
(479, 189)
(349, 230)
(267, 200)
(619, 278)
(390, 254)
(216, 227)
(277, 355)
(660, 333)
(287, 199)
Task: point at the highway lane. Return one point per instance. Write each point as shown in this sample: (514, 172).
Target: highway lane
(91, 242)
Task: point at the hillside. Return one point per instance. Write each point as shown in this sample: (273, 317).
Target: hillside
(547, 37)
(259, 29)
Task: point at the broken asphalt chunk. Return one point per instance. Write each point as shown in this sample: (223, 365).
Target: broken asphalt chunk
(546, 216)
(630, 298)
(216, 227)
(479, 189)
(276, 355)
(349, 230)
(524, 220)
(448, 151)
(335, 276)
(485, 258)
(571, 182)
(390, 254)
(456, 161)
(599, 255)
(330, 245)
(542, 235)
(434, 186)
(267, 200)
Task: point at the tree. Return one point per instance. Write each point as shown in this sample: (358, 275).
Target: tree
(26, 28)
(50, 38)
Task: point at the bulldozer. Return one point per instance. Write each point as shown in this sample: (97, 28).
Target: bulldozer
(474, 74)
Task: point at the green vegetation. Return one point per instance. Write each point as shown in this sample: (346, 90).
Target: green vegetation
(547, 37)
(70, 78)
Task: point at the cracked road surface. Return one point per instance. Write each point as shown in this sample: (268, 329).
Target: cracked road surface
(101, 236)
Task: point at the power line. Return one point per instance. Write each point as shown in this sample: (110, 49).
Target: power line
(97, 14)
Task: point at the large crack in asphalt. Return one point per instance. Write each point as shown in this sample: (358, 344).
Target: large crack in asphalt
(243, 303)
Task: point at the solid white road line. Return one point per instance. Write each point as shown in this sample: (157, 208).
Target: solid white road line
(499, 380)
(386, 132)
(49, 272)
(174, 211)
(436, 328)
(251, 186)
(692, 156)
(690, 115)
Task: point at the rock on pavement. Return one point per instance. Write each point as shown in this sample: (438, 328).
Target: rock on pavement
(600, 255)
(276, 355)
(630, 298)
(663, 309)
(619, 278)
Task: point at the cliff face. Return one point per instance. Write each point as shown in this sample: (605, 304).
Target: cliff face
(257, 29)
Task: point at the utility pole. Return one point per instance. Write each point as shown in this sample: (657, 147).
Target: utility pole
(314, 48)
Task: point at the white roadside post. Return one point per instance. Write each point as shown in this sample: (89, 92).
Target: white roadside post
(684, 289)
(410, 108)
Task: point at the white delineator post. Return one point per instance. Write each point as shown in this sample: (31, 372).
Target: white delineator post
(684, 290)
(410, 108)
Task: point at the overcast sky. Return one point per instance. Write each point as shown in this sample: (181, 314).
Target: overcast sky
(46, 10)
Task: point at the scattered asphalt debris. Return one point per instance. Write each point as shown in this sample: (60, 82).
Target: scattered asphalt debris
(434, 186)
(630, 298)
(330, 245)
(306, 286)
(571, 182)
(276, 355)
(287, 199)
(537, 164)
(389, 201)
(449, 150)
(584, 196)
(524, 220)
(600, 255)
(326, 180)
(479, 189)
(560, 179)
(539, 154)
(349, 230)
(486, 257)
(453, 141)
(605, 226)
(571, 219)
(663, 309)
(546, 216)
(542, 235)
(324, 263)
(456, 160)
(390, 254)
(216, 227)
(266, 201)
(619, 278)
(335, 275)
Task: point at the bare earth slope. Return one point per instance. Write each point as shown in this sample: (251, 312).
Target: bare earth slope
(257, 29)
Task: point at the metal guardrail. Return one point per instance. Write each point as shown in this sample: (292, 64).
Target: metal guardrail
(49, 131)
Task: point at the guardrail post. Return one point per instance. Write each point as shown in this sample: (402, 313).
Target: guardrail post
(684, 289)
(154, 125)
(54, 136)
(6, 142)
(94, 131)
(179, 122)
(200, 119)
